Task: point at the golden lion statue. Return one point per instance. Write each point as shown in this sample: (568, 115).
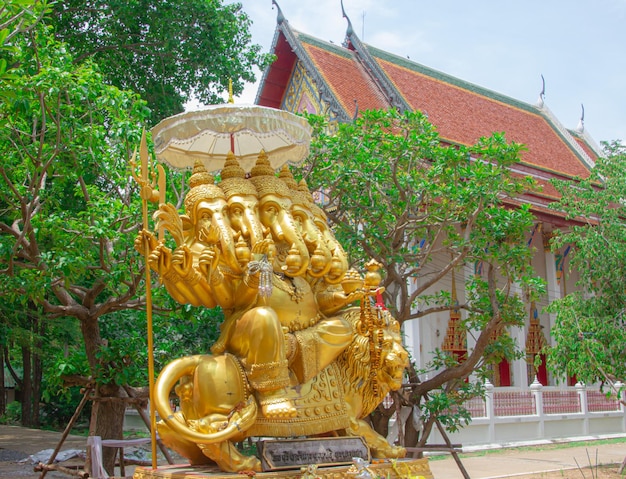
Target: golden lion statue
(219, 409)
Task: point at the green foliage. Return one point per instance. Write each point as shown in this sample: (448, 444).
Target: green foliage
(450, 407)
(164, 50)
(66, 204)
(59, 408)
(16, 18)
(65, 144)
(12, 414)
(590, 330)
(396, 193)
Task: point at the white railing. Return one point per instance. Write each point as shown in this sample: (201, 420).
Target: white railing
(510, 415)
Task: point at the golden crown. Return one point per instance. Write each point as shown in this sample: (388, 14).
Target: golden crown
(202, 187)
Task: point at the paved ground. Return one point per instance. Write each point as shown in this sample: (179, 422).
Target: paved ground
(17, 443)
(517, 461)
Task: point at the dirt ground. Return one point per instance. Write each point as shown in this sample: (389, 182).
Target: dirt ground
(601, 472)
(17, 444)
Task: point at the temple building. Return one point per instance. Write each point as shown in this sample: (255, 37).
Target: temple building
(338, 81)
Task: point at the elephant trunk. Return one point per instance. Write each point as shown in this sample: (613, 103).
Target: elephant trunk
(340, 264)
(253, 225)
(226, 241)
(170, 375)
(285, 230)
(321, 261)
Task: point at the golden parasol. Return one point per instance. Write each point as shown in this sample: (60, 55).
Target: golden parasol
(211, 133)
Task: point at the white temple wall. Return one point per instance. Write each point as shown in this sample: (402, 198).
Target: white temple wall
(424, 334)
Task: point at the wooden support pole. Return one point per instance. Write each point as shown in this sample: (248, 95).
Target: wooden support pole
(148, 423)
(55, 467)
(456, 457)
(66, 432)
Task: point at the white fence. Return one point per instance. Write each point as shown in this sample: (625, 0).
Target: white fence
(509, 415)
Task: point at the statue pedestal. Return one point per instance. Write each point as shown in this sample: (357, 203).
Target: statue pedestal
(396, 469)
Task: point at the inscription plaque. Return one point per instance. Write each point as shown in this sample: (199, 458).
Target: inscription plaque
(294, 453)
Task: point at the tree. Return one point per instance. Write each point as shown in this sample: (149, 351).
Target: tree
(590, 328)
(424, 210)
(67, 206)
(167, 51)
(69, 214)
(17, 18)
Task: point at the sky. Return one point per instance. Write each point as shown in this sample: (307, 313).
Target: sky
(579, 46)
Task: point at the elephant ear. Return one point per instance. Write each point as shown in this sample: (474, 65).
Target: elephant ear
(167, 218)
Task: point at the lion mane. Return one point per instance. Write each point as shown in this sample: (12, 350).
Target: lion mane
(355, 363)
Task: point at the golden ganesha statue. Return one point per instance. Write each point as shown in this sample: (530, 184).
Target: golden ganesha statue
(294, 357)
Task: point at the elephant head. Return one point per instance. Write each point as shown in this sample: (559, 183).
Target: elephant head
(206, 222)
(275, 215)
(241, 196)
(339, 260)
(301, 212)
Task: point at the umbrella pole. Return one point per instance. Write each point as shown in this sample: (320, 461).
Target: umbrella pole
(231, 100)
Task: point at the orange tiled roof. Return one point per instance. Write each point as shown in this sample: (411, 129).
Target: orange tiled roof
(585, 146)
(345, 76)
(461, 111)
(464, 112)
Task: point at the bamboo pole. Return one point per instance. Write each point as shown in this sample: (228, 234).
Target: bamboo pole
(55, 467)
(66, 432)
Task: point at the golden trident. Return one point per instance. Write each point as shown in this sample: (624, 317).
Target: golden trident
(149, 192)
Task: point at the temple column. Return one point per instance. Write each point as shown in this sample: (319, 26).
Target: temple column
(553, 286)
(518, 334)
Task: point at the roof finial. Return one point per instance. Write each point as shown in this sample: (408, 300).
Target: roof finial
(349, 30)
(542, 95)
(581, 123)
(280, 18)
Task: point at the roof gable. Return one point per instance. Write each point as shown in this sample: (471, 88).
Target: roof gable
(276, 77)
(344, 76)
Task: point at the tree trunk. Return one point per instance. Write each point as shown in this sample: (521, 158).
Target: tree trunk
(36, 381)
(3, 393)
(411, 435)
(107, 412)
(27, 390)
(107, 421)
(379, 418)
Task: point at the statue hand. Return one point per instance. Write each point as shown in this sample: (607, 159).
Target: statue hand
(160, 259)
(145, 237)
(331, 302)
(264, 247)
(208, 261)
(182, 260)
(353, 296)
(341, 299)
